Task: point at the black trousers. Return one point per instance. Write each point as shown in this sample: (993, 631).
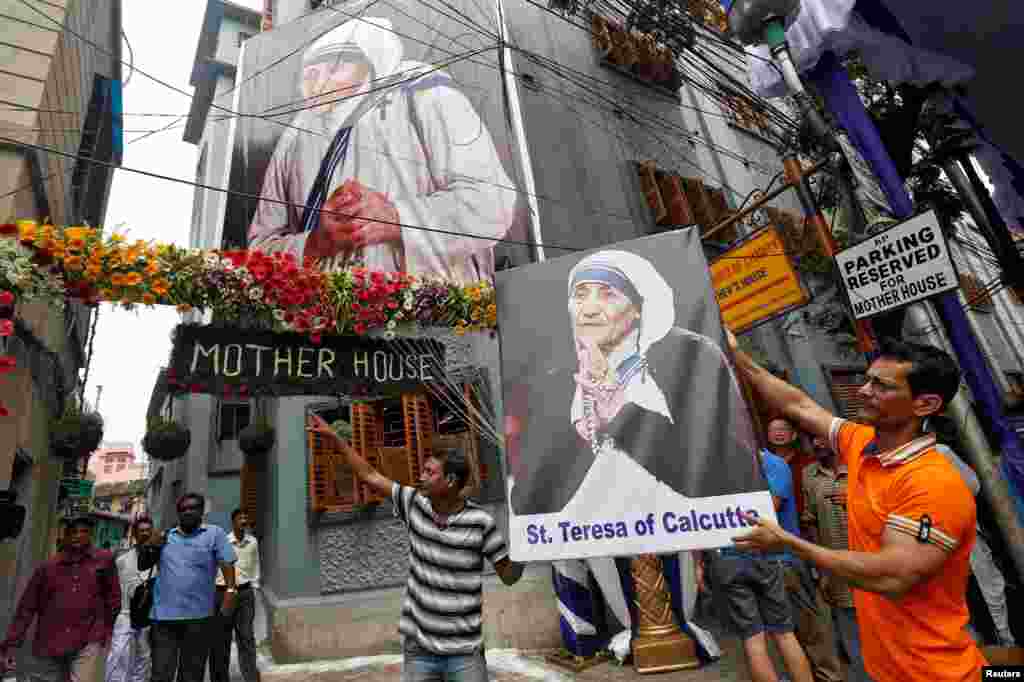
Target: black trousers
(239, 623)
(180, 646)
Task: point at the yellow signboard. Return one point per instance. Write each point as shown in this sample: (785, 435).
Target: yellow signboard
(755, 281)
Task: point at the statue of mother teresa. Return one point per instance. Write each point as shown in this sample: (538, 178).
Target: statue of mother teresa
(385, 146)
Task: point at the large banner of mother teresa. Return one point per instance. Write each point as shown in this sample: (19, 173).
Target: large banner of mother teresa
(626, 429)
(373, 133)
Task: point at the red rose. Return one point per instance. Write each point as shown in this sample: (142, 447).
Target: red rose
(8, 228)
(360, 328)
(243, 390)
(195, 388)
(316, 339)
(392, 305)
(4, 412)
(6, 327)
(6, 298)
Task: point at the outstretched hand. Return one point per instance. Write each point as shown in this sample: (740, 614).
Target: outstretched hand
(316, 424)
(767, 536)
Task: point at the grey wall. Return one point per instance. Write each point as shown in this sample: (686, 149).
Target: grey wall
(290, 554)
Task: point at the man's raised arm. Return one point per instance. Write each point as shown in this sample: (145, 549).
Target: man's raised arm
(784, 398)
(363, 469)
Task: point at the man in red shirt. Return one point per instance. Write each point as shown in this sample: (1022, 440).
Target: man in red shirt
(75, 596)
(911, 518)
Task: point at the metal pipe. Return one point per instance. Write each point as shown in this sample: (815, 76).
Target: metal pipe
(924, 323)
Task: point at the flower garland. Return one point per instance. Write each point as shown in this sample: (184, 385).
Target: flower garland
(48, 264)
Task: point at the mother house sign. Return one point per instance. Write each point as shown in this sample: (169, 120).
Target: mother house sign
(210, 359)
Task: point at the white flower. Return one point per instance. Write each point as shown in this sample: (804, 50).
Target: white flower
(392, 324)
(389, 335)
(278, 315)
(256, 293)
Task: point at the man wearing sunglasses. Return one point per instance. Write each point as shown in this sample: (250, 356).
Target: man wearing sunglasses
(184, 597)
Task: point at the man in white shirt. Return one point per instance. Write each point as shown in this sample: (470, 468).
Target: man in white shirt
(129, 659)
(239, 621)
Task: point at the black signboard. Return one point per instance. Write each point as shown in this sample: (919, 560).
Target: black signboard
(215, 359)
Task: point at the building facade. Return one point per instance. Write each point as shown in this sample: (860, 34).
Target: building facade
(60, 82)
(115, 463)
(586, 135)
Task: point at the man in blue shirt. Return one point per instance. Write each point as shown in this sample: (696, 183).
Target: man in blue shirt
(813, 618)
(752, 590)
(188, 558)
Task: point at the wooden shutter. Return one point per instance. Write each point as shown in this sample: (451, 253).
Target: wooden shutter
(677, 207)
(846, 385)
(366, 431)
(600, 34)
(251, 479)
(720, 211)
(649, 185)
(700, 203)
(322, 485)
(419, 431)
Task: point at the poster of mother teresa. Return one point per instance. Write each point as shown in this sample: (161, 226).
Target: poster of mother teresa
(378, 143)
(626, 429)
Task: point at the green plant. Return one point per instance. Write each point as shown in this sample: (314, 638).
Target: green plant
(165, 439)
(257, 438)
(77, 432)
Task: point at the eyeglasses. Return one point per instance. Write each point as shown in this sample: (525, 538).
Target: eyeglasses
(189, 507)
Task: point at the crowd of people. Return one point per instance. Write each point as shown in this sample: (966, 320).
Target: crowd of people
(202, 584)
(868, 561)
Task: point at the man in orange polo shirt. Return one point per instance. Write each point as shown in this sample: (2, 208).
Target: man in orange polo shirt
(911, 518)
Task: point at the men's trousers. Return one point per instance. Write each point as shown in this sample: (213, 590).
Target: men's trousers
(130, 659)
(238, 623)
(813, 619)
(84, 665)
(182, 647)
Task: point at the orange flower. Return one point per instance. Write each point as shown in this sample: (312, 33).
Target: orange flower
(149, 299)
(106, 294)
(132, 279)
(73, 263)
(160, 287)
(117, 279)
(93, 271)
(76, 244)
(152, 267)
(72, 233)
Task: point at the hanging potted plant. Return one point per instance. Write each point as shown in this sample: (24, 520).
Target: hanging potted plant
(166, 439)
(77, 432)
(256, 439)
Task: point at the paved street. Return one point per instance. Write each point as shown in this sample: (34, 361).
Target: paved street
(510, 666)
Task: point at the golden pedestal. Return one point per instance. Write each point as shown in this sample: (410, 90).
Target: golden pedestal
(660, 645)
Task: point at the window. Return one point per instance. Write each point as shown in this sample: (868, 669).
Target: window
(233, 418)
(120, 466)
(242, 37)
(108, 469)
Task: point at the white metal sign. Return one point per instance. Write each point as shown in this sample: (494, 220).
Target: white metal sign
(906, 263)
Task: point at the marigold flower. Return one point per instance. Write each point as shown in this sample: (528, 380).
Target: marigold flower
(72, 233)
(76, 244)
(6, 298)
(149, 299)
(117, 279)
(160, 287)
(132, 279)
(152, 267)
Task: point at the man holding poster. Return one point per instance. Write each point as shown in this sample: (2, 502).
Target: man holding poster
(641, 442)
(911, 517)
(388, 163)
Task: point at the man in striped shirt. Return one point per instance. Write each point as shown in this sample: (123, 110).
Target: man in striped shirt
(449, 538)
